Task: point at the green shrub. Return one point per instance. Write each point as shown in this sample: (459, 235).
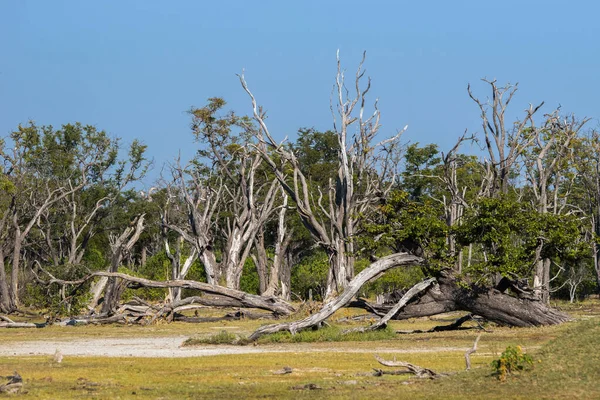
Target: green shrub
(511, 361)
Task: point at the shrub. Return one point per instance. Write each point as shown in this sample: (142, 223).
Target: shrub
(511, 361)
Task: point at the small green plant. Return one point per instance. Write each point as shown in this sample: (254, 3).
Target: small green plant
(511, 361)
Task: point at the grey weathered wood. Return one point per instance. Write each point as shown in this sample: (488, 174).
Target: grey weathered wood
(412, 292)
(381, 265)
(471, 351)
(419, 372)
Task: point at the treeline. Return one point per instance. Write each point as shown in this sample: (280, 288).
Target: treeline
(302, 218)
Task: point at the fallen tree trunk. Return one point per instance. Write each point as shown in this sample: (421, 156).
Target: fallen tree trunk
(419, 372)
(21, 325)
(489, 303)
(234, 297)
(378, 267)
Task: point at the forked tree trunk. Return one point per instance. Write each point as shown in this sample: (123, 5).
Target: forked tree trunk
(119, 247)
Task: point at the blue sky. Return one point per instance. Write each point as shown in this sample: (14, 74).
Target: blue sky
(133, 68)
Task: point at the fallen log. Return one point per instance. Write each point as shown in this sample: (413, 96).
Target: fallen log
(21, 325)
(237, 297)
(419, 372)
(456, 325)
(488, 303)
(270, 303)
(14, 384)
(378, 267)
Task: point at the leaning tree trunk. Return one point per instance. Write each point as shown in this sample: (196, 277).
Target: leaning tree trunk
(378, 267)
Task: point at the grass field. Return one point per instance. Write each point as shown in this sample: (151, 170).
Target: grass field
(566, 358)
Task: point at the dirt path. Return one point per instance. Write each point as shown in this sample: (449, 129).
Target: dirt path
(171, 347)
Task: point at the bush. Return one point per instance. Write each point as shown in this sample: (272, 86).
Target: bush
(511, 361)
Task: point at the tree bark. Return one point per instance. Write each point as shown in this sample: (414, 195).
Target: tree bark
(489, 303)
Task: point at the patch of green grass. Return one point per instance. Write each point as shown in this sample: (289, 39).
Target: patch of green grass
(565, 368)
(328, 334)
(222, 337)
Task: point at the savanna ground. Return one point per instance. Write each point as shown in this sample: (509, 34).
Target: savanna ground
(566, 361)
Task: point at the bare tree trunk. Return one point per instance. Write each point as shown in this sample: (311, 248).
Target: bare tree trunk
(596, 256)
(96, 291)
(261, 262)
(120, 246)
(14, 278)
(6, 305)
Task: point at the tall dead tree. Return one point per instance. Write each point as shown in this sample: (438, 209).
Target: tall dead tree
(119, 247)
(587, 163)
(549, 171)
(365, 173)
(273, 277)
(504, 143)
(191, 204)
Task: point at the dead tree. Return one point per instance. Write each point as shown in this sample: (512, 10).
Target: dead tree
(587, 164)
(119, 246)
(521, 310)
(192, 202)
(505, 144)
(365, 173)
(218, 296)
(271, 274)
(548, 171)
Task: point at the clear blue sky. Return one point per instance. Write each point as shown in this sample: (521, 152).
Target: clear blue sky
(133, 68)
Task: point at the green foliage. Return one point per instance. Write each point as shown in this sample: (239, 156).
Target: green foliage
(420, 161)
(70, 301)
(511, 231)
(249, 279)
(404, 224)
(151, 294)
(311, 274)
(511, 361)
(395, 279)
